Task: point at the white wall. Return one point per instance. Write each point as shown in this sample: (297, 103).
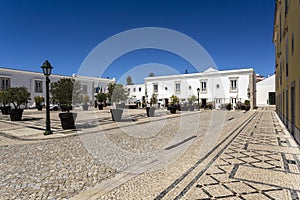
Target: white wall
(27, 79)
(136, 92)
(263, 88)
(190, 82)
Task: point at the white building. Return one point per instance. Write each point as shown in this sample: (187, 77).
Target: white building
(216, 87)
(136, 92)
(266, 91)
(36, 82)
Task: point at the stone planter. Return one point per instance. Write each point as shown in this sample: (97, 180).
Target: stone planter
(67, 120)
(150, 111)
(184, 108)
(85, 107)
(39, 107)
(5, 110)
(100, 106)
(116, 114)
(16, 114)
(192, 108)
(173, 109)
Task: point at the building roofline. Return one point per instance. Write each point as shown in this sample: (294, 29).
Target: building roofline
(57, 75)
(275, 19)
(247, 70)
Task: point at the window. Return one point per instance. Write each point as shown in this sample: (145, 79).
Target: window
(128, 90)
(84, 89)
(177, 87)
(286, 57)
(203, 86)
(190, 87)
(292, 44)
(233, 84)
(286, 4)
(38, 86)
(155, 88)
(140, 89)
(134, 89)
(280, 34)
(5, 83)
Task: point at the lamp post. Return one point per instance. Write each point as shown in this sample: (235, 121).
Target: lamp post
(47, 72)
(198, 91)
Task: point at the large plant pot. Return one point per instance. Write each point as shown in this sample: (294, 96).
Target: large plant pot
(116, 114)
(150, 111)
(184, 108)
(5, 110)
(173, 109)
(39, 107)
(100, 106)
(67, 120)
(85, 107)
(16, 114)
(192, 108)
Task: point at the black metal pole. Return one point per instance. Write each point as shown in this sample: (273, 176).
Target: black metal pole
(48, 128)
(198, 102)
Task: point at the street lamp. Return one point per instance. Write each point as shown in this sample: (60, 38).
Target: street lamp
(47, 72)
(198, 91)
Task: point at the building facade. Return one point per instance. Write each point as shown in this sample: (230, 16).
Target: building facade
(215, 87)
(136, 92)
(265, 94)
(36, 82)
(286, 38)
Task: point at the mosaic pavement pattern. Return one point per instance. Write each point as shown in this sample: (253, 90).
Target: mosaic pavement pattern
(262, 162)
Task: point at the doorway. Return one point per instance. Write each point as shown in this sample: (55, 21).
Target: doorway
(272, 98)
(203, 103)
(292, 109)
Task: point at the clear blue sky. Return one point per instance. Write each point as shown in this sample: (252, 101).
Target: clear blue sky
(236, 33)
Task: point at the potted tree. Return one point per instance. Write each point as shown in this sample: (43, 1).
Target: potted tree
(85, 100)
(101, 97)
(17, 96)
(173, 104)
(5, 108)
(191, 100)
(116, 94)
(64, 91)
(38, 102)
(150, 110)
(228, 106)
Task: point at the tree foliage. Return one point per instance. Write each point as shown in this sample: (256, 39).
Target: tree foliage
(153, 99)
(4, 98)
(192, 99)
(129, 80)
(39, 99)
(65, 91)
(174, 99)
(151, 74)
(101, 97)
(17, 96)
(117, 93)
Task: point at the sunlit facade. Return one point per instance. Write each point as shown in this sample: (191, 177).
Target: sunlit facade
(286, 39)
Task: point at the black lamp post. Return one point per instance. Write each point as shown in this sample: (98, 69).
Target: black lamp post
(47, 72)
(198, 91)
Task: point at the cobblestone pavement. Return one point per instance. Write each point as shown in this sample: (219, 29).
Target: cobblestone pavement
(34, 166)
(257, 160)
(253, 157)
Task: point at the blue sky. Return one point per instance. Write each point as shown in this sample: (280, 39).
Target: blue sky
(236, 33)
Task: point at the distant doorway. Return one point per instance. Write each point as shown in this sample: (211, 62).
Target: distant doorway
(203, 103)
(292, 109)
(272, 100)
(166, 103)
